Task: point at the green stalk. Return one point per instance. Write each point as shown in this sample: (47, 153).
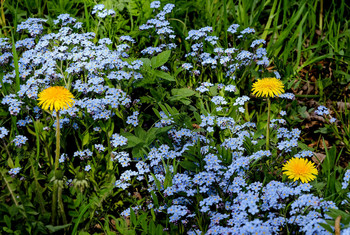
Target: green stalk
(2, 17)
(15, 61)
(269, 21)
(268, 124)
(321, 17)
(246, 112)
(57, 139)
(60, 205)
(48, 156)
(86, 17)
(37, 140)
(38, 189)
(54, 204)
(9, 188)
(130, 15)
(55, 186)
(225, 23)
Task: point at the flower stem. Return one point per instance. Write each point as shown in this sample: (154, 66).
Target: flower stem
(54, 204)
(55, 187)
(57, 139)
(60, 204)
(268, 124)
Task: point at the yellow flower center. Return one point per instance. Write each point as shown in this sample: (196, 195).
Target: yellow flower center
(299, 168)
(56, 97)
(268, 87)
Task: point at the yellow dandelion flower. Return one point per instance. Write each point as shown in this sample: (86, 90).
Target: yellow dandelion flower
(300, 168)
(268, 87)
(55, 97)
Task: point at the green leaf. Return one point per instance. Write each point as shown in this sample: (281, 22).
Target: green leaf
(7, 221)
(213, 90)
(133, 217)
(83, 233)
(327, 227)
(53, 229)
(157, 94)
(86, 138)
(178, 70)
(144, 225)
(168, 177)
(152, 227)
(10, 163)
(302, 111)
(248, 145)
(319, 186)
(4, 114)
(30, 131)
(155, 199)
(346, 76)
(153, 215)
(184, 92)
(325, 82)
(165, 110)
(323, 130)
(159, 229)
(197, 117)
(160, 59)
(146, 63)
(15, 60)
(185, 101)
(338, 186)
(110, 132)
(161, 130)
(189, 165)
(181, 98)
(137, 152)
(81, 214)
(158, 184)
(145, 81)
(334, 213)
(258, 133)
(7, 230)
(164, 75)
(141, 133)
(313, 60)
(118, 113)
(156, 113)
(173, 111)
(121, 225)
(132, 140)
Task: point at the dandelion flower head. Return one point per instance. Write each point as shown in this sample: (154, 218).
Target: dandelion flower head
(55, 97)
(268, 87)
(300, 168)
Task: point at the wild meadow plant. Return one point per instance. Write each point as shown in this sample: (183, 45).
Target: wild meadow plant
(56, 98)
(199, 165)
(268, 87)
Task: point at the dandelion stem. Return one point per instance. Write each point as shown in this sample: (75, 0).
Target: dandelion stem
(60, 204)
(57, 139)
(55, 188)
(54, 204)
(268, 124)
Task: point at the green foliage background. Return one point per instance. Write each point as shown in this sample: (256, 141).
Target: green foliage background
(308, 42)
